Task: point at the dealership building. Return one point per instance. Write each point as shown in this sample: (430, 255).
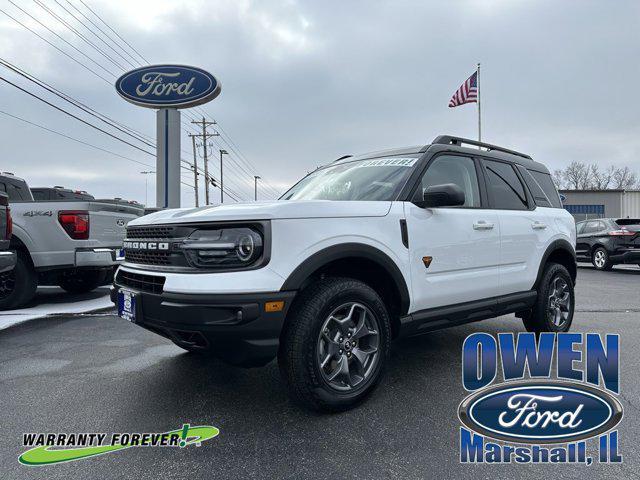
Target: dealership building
(583, 204)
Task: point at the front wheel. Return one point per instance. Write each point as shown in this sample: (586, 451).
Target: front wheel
(336, 344)
(553, 310)
(600, 259)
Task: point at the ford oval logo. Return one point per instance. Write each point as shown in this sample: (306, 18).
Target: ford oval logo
(540, 412)
(159, 86)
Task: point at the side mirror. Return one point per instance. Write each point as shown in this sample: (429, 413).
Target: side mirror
(445, 195)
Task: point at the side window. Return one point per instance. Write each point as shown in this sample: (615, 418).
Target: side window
(546, 183)
(38, 194)
(453, 169)
(505, 188)
(536, 191)
(591, 227)
(3, 187)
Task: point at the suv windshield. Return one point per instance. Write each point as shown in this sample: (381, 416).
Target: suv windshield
(371, 179)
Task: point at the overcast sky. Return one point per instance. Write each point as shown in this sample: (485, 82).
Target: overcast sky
(306, 82)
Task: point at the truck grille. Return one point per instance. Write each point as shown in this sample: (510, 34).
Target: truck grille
(156, 233)
(170, 234)
(141, 282)
(147, 258)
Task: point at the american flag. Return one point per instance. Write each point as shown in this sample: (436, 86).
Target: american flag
(467, 93)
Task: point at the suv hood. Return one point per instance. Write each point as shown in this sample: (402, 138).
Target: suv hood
(279, 209)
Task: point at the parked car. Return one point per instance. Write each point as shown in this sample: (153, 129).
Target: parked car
(609, 241)
(359, 252)
(71, 243)
(7, 257)
(45, 194)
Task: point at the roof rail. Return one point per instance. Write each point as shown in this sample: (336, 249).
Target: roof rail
(449, 140)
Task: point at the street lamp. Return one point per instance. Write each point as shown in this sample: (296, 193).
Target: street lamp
(222, 152)
(145, 173)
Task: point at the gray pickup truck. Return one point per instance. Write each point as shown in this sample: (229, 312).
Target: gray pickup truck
(75, 244)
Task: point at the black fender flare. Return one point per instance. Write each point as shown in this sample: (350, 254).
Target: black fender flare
(559, 244)
(349, 250)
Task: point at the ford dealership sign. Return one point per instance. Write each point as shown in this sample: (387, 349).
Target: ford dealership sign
(540, 412)
(168, 86)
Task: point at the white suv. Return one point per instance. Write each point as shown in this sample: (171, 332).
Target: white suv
(360, 252)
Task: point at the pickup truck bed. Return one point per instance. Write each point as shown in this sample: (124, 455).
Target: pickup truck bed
(71, 243)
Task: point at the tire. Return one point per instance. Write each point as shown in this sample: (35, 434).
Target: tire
(319, 325)
(18, 286)
(82, 281)
(551, 313)
(600, 259)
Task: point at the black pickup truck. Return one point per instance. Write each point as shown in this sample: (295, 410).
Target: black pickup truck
(7, 257)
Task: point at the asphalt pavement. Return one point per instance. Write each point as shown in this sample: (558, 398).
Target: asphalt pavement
(98, 373)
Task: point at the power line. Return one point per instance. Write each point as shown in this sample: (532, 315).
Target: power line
(104, 33)
(77, 33)
(59, 49)
(73, 138)
(116, 33)
(126, 130)
(76, 117)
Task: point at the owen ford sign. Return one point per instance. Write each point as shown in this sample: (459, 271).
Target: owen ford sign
(168, 86)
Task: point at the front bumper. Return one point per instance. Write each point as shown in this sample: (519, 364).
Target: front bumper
(7, 260)
(630, 256)
(97, 257)
(233, 327)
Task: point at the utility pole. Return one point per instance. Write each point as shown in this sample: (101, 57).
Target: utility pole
(255, 187)
(222, 152)
(195, 167)
(146, 183)
(205, 136)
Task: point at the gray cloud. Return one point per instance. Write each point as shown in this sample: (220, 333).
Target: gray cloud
(306, 82)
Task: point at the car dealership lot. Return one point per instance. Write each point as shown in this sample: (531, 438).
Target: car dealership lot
(99, 373)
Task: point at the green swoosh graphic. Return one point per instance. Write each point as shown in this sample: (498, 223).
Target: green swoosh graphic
(45, 456)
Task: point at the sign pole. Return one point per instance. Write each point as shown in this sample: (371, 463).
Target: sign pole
(168, 158)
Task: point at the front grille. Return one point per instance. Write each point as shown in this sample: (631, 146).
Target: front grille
(141, 282)
(156, 233)
(148, 257)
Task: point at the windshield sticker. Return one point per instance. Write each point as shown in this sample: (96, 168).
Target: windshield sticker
(386, 162)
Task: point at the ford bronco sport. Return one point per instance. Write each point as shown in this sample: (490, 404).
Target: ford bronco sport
(359, 252)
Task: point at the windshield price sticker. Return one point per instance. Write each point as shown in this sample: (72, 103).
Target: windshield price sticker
(389, 162)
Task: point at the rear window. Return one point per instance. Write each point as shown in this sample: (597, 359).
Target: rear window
(629, 223)
(546, 183)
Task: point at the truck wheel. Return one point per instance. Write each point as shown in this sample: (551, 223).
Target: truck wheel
(18, 286)
(600, 259)
(553, 311)
(83, 281)
(335, 345)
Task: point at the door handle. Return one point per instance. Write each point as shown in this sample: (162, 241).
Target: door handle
(538, 225)
(482, 225)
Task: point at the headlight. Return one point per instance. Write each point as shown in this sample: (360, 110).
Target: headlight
(223, 247)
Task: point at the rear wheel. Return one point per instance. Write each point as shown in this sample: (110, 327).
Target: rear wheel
(18, 286)
(336, 344)
(83, 281)
(600, 259)
(553, 310)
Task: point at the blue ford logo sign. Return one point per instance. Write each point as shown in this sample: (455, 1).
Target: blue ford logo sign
(162, 86)
(540, 412)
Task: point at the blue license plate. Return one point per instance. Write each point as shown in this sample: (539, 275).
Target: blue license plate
(120, 254)
(127, 305)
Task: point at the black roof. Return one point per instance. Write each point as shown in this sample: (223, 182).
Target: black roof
(452, 143)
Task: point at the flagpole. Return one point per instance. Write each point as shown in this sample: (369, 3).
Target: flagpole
(479, 116)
